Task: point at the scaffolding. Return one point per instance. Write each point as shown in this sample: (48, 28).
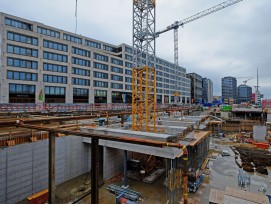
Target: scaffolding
(144, 99)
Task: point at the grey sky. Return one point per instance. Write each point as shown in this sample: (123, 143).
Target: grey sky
(232, 42)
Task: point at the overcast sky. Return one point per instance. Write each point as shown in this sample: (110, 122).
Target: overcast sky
(232, 42)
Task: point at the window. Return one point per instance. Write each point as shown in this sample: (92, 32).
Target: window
(18, 24)
(80, 92)
(166, 80)
(55, 45)
(22, 38)
(21, 88)
(128, 79)
(116, 61)
(166, 86)
(54, 90)
(116, 77)
(93, 44)
(72, 38)
(14, 62)
(129, 50)
(79, 71)
(159, 85)
(128, 64)
(108, 48)
(116, 69)
(55, 79)
(25, 76)
(78, 81)
(159, 79)
(100, 75)
(81, 52)
(54, 68)
(48, 32)
(128, 87)
(100, 84)
(116, 86)
(128, 57)
(55, 57)
(128, 72)
(100, 57)
(22, 51)
(100, 66)
(80, 61)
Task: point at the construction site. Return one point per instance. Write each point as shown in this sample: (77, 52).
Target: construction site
(138, 151)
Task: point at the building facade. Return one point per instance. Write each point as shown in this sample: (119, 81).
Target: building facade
(229, 88)
(41, 63)
(207, 90)
(196, 87)
(244, 93)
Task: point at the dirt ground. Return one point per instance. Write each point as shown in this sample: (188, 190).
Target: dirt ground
(223, 172)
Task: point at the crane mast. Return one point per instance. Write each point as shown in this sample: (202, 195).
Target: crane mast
(176, 26)
(144, 76)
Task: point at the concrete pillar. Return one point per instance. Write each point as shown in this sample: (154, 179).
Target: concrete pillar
(52, 178)
(125, 170)
(94, 171)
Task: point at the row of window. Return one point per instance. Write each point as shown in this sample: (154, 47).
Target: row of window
(80, 61)
(26, 76)
(22, 63)
(81, 52)
(22, 88)
(55, 79)
(22, 38)
(55, 90)
(100, 57)
(55, 57)
(116, 61)
(116, 77)
(22, 51)
(82, 82)
(116, 69)
(79, 71)
(80, 92)
(48, 32)
(55, 45)
(18, 24)
(100, 66)
(55, 68)
(116, 86)
(100, 75)
(92, 44)
(72, 38)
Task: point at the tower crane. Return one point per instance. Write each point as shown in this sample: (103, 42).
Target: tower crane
(190, 19)
(245, 81)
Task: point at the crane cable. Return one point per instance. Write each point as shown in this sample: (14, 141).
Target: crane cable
(76, 17)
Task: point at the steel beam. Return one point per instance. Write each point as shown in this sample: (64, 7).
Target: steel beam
(94, 171)
(52, 176)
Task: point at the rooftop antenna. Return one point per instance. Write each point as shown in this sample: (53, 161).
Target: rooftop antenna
(76, 17)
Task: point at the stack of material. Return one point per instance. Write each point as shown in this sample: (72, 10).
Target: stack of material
(127, 193)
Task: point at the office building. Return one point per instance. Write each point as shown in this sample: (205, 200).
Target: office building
(244, 94)
(41, 63)
(207, 90)
(229, 88)
(196, 87)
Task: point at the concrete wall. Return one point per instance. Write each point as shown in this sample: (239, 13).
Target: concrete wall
(113, 158)
(24, 168)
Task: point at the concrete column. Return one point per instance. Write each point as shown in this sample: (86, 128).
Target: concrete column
(94, 171)
(52, 177)
(125, 170)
